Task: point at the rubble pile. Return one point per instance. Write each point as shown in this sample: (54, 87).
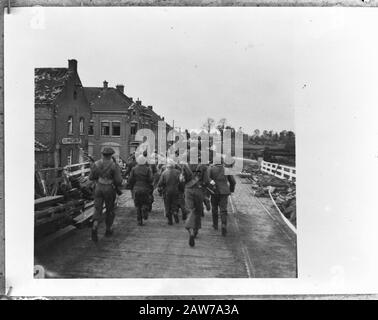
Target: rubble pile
(286, 202)
(250, 168)
(262, 183)
(61, 201)
(283, 191)
(53, 213)
(85, 186)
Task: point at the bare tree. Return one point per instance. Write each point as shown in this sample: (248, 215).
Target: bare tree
(208, 125)
(222, 124)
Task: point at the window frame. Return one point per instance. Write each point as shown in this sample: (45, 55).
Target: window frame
(70, 125)
(101, 126)
(70, 157)
(112, 133)
(91, 124)
(132, 125)
(82, 126)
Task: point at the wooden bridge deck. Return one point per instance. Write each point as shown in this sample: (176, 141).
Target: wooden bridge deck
(255, 246)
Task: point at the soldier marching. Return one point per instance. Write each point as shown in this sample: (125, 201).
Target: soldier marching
(183, 185)
(107, 175)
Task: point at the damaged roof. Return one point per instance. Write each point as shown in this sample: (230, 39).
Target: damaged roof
(49, 83)
(38, 146)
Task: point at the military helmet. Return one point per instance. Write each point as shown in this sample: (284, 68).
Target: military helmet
(108, 151)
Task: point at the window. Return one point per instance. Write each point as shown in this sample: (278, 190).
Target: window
(134, 128)
(70, 126)
(91, 128)
(81, 125)
(75, 95)
(105, 128)
(69, 157)
(116, 128)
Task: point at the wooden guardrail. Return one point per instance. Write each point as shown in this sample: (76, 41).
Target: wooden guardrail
(49, 178)
(280, 171)
(77, 169)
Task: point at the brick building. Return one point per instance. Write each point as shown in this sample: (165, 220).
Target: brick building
(62, 115)
(116, 118)
(142, 117)
(109, 124)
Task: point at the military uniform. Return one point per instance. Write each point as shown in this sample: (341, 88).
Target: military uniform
(107, 175)
(181, 195)
(224, 186)
(169, 184)
(140, 181)
(130, 164)
(196, 178)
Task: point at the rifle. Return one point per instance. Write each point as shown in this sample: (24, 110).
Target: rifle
(117, 189)
(210, 190)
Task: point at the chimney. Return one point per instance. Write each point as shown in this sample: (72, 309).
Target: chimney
(120, 87)
(105, 84)
(149, 107)
(138, 102)
(72, 65)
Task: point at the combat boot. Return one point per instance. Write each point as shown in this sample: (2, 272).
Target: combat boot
(139, 216)
(224, 230)
(145, 213)
(94, 235)
(207, 204)
(215, 222)
(191, 238)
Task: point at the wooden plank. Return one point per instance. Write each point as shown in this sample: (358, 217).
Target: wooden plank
(84, 217)
(46, 201)
(61, 206)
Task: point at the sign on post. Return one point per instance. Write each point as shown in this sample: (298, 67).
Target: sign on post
(71, 141)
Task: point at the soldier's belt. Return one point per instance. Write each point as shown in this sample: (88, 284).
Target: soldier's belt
(105, 181)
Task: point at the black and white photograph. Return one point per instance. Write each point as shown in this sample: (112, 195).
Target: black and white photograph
(135, 147)
(169, 148)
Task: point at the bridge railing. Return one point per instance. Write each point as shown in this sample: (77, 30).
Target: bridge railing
(77, 169)
(280, 171)
(48, 179)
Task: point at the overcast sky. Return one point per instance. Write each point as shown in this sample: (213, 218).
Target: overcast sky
(189, 63)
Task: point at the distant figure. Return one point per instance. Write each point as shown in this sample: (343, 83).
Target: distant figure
(153, 164)
(107, 175)
(169, 186)
(223, 186)
(130, 164)
(181, 196)
(140, 181)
